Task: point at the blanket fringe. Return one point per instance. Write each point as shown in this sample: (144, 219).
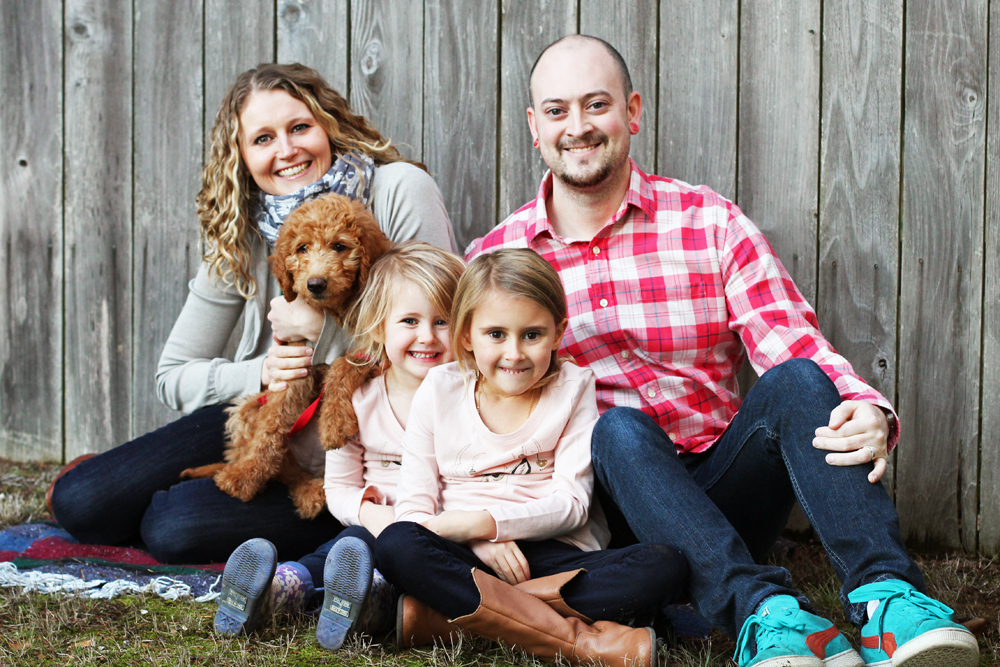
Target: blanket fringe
(42, 582)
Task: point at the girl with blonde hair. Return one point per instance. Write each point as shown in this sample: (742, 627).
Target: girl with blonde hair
(402, 329)
(494, 528)
(282, 136)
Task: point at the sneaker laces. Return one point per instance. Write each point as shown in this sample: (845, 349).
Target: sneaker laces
(770, 626)
(891, 592)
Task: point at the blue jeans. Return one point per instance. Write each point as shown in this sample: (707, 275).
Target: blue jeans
(134, 492)
(315, 562)
(618, 584)
(724, 508)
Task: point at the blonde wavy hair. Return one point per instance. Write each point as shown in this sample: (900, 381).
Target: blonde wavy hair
(434, 271)
(228, 190)
(516, 272)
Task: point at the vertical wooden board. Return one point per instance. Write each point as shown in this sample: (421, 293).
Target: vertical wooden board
(697, 115)
(315, 33)
(631, 29)
(859, 185)
(989, 470)
(941, 274)
(526, 27)
(387, 69)
(98, 223)
(460, 121)
(238, 36)
(31, 211)
(778, 158)
(168, 119)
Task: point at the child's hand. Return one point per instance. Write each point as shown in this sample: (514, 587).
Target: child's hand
(460, 526)
(504, 558)
(376, 517)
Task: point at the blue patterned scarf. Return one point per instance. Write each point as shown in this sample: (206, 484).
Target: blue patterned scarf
(351, 175)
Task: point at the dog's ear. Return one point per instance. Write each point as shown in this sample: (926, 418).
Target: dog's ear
(279, 266)
(373, 243)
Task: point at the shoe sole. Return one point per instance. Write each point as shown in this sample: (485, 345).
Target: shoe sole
(945, 647)
(347, 578)
(845, 659)
(245, 584)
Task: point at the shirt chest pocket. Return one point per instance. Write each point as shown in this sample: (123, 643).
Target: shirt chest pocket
(674, 314)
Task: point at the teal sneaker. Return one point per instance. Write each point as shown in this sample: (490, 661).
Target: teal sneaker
(781, 634)
(912, 630)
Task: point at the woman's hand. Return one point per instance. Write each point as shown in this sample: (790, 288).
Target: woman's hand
(504, 558)
(461, 527)
(859, 432)
(376, 517)
(295, 320)
(284, 363)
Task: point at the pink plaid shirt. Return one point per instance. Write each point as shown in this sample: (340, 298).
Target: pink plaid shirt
(663, 300)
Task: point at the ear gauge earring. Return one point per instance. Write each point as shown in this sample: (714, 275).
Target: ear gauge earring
(535, 143)
(633, 128)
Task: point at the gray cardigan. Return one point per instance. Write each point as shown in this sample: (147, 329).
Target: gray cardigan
(192, 372)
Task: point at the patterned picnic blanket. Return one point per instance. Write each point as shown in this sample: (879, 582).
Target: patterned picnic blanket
(43, 557)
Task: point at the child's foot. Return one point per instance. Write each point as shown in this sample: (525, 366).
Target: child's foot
(781, 634)
(912, 630)
(291, 588)
(246, 587)
(347, 578)
(378, 616)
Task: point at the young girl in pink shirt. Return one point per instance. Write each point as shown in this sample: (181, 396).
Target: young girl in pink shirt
(494, 528)
(401, 327)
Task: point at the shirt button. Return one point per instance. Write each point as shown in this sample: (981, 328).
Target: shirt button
(624, 354)
(672, 436)
(651, 392)
(597, 251)
(604, 303)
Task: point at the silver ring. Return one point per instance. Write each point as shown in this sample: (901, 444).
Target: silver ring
(872, 450)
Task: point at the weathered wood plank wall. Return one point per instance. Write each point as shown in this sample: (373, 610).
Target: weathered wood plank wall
(875, 179)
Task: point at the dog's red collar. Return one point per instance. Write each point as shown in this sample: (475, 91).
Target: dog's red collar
(304, 418)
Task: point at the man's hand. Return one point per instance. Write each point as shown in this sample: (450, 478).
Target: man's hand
(462, 527)
(504, 558)
(859, 432)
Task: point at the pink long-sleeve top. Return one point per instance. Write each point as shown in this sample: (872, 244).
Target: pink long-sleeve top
(536, 482)
(367, 467)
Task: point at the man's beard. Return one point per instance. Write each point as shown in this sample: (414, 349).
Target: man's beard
(588, 179)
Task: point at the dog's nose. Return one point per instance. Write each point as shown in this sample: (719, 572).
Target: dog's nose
(316, 285)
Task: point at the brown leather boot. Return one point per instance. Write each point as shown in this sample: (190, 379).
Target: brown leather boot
(549, 590)
(419, 625)
(520, 620)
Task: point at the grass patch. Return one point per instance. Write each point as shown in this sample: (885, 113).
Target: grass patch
(56, 630)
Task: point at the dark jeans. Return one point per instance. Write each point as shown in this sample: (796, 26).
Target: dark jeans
(316, 561)
(725, 507)
(618, 584)
(134, 492)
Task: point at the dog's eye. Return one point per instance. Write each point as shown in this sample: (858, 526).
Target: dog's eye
(339, 247)
(302, 248)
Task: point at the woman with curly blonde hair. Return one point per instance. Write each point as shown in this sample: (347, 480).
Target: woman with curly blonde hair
(282, 136)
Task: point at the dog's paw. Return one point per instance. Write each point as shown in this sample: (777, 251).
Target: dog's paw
(233, 482)
(336, 426)
(309, 498)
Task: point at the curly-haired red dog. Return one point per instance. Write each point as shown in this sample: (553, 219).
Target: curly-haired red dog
(323, 254)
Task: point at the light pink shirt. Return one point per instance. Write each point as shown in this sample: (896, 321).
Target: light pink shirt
(367, 467)
(536, 482)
